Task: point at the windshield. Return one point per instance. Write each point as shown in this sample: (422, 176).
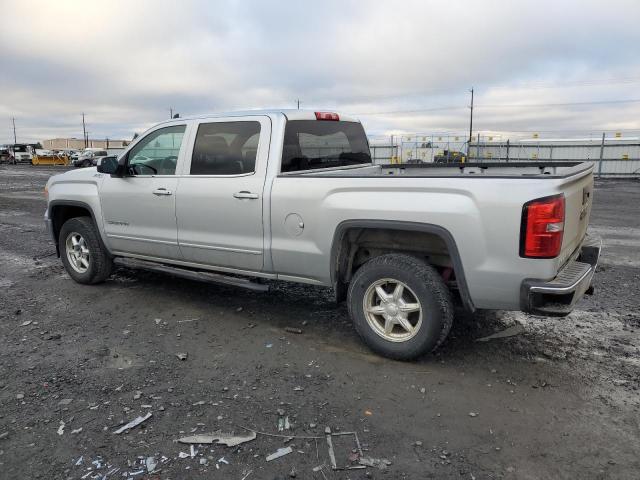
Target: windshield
(20, 148)
(311, 144)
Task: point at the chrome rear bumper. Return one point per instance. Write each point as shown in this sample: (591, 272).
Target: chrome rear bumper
(558, 296)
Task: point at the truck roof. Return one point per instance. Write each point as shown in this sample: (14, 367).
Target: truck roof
(291, 114)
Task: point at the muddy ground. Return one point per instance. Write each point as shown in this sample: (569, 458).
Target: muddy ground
(559, 400)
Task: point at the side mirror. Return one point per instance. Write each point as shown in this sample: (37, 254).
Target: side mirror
(108, 165)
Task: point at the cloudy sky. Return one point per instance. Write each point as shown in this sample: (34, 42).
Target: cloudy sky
(562, 67)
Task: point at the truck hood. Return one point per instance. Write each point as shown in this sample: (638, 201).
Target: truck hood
(83, 175)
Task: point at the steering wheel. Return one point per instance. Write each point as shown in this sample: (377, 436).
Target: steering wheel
(140, 165)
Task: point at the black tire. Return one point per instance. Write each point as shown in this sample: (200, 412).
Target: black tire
(100, 262)
(86, 163)
(424, 283)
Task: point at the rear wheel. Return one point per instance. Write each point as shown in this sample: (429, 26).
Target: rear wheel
(82, 252)
(400, 306)
(86, 163)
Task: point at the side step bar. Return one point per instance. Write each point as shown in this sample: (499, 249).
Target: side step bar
(192, 274)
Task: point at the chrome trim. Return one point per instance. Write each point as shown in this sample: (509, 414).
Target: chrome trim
(223, 249)
(567, 289)
(139, 239)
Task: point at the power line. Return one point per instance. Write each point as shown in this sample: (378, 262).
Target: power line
(522, 86)
(503, 105)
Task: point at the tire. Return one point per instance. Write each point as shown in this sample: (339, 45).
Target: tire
(423, 288)
(97, 263)
(86, 163)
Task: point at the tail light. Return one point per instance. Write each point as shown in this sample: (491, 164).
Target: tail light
(542, 227)
(327, 116)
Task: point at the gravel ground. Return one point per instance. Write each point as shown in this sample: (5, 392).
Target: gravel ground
(558, 400)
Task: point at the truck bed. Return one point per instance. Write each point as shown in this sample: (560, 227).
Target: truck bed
(488, 170)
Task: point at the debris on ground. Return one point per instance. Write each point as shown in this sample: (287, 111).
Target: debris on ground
(473, 414)
(281, 452)
(182, 356)
(150, 463)
(380, 463)
(133, 423)
(332, 455)
(509, 332)
(25, 323)
(228, 439)
(293, 330)
(61, 428)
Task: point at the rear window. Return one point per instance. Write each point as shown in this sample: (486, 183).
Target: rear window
(225, 148)
(312, 144)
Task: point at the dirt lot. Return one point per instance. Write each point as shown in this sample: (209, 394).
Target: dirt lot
(559, 400)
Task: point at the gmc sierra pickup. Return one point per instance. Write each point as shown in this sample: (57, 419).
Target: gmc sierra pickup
(293, 195)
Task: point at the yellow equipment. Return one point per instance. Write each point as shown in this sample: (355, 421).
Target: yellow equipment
(50, 160)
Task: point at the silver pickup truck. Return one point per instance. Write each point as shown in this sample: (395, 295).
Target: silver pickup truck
(240, 198)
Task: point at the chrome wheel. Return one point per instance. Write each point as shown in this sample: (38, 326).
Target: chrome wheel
(392, 310)
(77, 252)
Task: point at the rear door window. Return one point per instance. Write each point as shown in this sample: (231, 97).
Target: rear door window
(225, 148)
(313, 144)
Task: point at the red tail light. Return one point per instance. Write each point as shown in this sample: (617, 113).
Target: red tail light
(542, 227)
(327, 116)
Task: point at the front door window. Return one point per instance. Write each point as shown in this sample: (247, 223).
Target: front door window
(157, 153)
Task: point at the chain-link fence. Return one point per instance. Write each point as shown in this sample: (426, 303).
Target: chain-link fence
(613, 154)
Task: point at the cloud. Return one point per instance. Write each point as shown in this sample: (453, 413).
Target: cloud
(125, 63)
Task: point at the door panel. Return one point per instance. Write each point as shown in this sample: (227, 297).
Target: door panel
(139, 209)
(219, 207)
(138, 221)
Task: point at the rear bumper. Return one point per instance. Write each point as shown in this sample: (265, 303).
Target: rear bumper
(558, 296)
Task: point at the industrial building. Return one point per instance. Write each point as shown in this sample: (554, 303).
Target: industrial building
(79, 143)
(612, 155)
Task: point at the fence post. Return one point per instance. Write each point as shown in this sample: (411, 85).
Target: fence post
(601, 156)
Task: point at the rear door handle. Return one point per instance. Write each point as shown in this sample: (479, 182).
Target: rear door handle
(162, 191)
(245, 194)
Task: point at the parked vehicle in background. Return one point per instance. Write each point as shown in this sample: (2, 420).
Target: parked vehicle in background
(293, 195)
(20, 153)
(449, 156)
(89, 157)
(4, 154)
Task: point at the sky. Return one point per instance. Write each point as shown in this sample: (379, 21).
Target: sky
(562, 68)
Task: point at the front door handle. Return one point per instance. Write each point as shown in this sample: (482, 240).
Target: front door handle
(245, 194)
(162, 191)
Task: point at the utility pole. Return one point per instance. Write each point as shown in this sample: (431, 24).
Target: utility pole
(471, 122)
(170, 113)
(13, 119)
(84, 131)
(298, 104)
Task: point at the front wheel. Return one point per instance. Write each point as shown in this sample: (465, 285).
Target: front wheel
(400, 306)
(82, 252)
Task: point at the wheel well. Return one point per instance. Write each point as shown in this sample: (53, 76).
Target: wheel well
(62, 213)
(356, 245)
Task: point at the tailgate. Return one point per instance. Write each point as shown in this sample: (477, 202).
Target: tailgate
(578, 194)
